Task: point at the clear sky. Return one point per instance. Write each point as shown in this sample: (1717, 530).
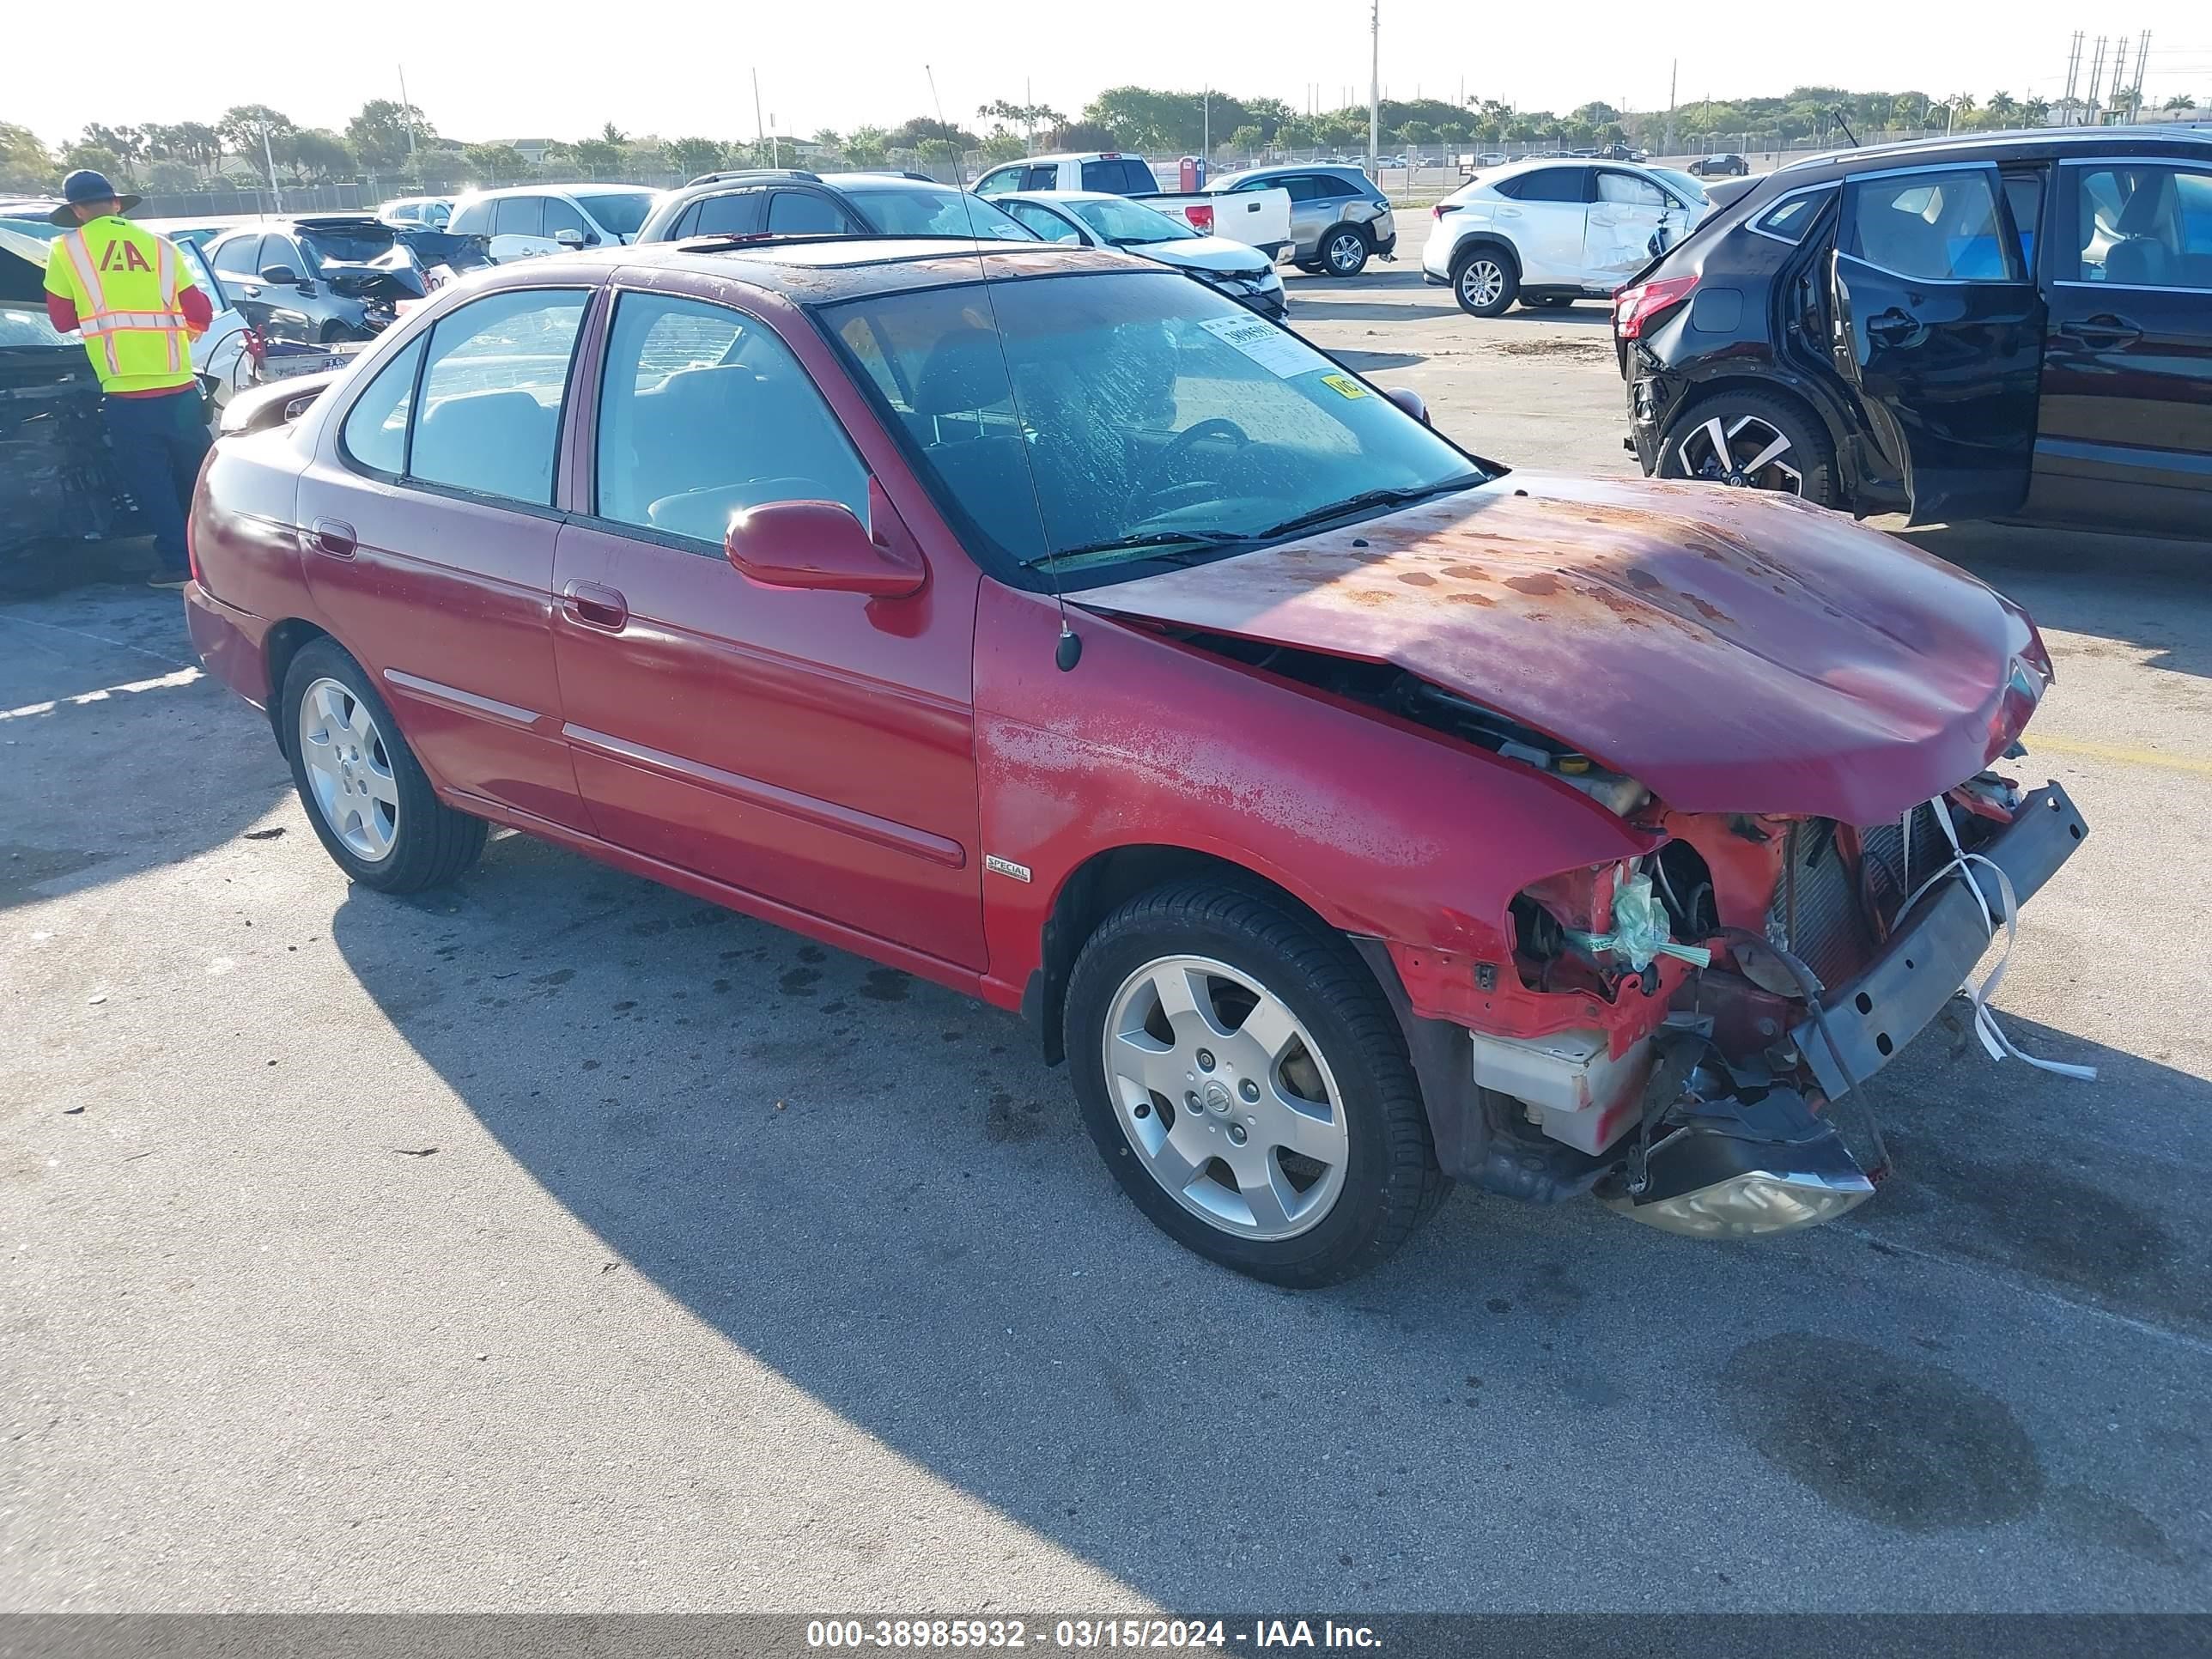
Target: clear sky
(677, 68)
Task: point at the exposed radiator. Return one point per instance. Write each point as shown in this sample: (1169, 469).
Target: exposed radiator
(1827, 928)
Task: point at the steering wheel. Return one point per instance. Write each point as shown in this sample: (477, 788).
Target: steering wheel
(1214, 425)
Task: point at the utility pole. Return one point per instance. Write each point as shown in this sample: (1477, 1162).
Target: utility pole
(760, 126)
(2089, 106)
(2119, 73)
(1673, 74)
(407, 109)
(269, 156)
(2073, 76)
(1205, 121)
(1374, 88)
(2143, 61)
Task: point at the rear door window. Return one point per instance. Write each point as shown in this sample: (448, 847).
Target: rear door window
(1935, 225)
(2142, 225)
(1549, 184)
(1042, 178)
(492, 393)
(1328, 186)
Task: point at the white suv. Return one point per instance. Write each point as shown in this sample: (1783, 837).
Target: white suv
(1548, 233)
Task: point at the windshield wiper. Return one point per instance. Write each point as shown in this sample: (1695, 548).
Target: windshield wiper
(1145, 541)
(1402, 497)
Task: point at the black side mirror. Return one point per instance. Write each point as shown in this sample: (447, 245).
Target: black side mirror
(280, 276)
(1411, 401)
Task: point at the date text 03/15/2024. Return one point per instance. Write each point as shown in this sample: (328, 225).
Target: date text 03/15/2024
(1167, 1635)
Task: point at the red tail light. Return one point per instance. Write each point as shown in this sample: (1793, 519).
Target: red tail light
(1635, 309)
(256, 347)
(1202, 218)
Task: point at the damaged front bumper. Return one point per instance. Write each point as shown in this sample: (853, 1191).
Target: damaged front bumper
(1711, 1150)
(1738, 1167)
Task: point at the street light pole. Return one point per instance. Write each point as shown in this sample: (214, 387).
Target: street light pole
(1374, 88)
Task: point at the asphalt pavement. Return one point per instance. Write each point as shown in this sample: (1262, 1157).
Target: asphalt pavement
(559, 1241)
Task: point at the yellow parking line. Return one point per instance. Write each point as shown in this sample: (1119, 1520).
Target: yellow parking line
(2119, 752)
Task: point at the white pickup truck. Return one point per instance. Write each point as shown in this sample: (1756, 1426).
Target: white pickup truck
(1257, 218)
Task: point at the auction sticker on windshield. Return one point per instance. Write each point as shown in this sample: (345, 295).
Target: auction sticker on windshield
(1281, 355)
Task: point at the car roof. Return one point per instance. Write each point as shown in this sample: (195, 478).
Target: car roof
(582, 188)
(2017, 143)
(1062, 196)
(822, 270)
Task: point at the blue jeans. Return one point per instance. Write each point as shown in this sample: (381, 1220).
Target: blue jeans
(159, 444)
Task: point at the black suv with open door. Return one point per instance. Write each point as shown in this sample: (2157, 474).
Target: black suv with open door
(2009, 325)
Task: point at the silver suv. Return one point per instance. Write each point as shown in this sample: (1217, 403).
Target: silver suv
(1338, 217)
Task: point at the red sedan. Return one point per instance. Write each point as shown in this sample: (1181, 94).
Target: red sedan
(1353, 814)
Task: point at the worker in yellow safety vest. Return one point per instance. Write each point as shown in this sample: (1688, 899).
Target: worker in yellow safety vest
(133, 298)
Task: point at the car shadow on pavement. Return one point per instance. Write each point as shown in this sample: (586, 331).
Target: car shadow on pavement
(874, 1185)
(76, 668)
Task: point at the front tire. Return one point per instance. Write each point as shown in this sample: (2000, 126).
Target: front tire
(1248, 1086)
(1754, 441)
(1344, 250)
(372, 806)
(1485, 283)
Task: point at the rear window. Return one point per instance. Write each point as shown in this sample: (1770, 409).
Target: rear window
(348, 245)
(1119, 176)
(471, 219)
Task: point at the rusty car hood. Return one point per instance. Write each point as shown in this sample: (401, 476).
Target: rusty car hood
(1734, 651)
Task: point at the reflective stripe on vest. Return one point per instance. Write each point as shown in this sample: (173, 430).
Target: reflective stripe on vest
(88, 279)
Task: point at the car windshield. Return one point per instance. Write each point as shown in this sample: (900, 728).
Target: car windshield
(1686, 182)
(1108, 423)
(622, 211)
(1129, 224)
(919, 211)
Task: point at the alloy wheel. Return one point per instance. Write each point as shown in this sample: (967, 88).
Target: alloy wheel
(1345, 252)
(1481, 282)
(1225, 1098)
(1748, 452)
(349, 770)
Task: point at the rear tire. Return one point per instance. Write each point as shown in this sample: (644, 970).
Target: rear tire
(1286, 1137)
(371, 804)
(1753, 439)
(1486, 282)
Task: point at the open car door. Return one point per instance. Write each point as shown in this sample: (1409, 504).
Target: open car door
(1939, 325)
